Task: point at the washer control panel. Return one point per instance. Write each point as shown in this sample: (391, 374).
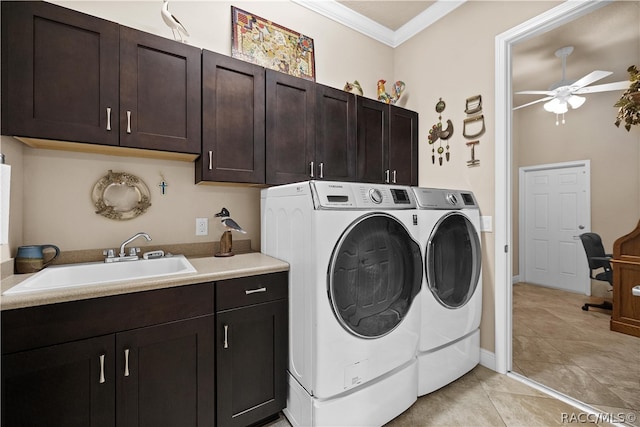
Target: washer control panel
(353, 195)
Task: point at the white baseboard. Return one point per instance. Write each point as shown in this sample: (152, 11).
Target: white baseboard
(488, 359)
(515, 279)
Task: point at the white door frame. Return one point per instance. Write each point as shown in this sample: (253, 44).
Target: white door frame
(521, 195)
(553, 18)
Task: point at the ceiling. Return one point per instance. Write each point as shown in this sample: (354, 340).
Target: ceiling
(597, 38)
(391, 14)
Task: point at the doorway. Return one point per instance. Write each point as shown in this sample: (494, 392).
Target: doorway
(555, 209)
(556, 17)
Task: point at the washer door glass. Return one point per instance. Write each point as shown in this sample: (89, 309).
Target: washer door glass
(374, 275)
(453, 260)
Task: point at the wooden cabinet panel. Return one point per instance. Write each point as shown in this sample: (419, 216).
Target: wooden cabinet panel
(160, 83)
(61, 385)
(59, 74)
(251, 363)
(626, 307)
(336, 130)
(166, 374)
(403, 146)
(373, 140)
(244, 291)
(290, 125)
(387, 143)
(233, 114)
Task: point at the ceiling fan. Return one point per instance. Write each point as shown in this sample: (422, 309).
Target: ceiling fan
(566, 91)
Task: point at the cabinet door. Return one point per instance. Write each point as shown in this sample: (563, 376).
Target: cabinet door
(165, 374)
(336, 130)
(160, 85)
(290, 128)
(403, 146)
(373, 141)
(251, 363)
(63, 385)
(59, 74)
(233, 127)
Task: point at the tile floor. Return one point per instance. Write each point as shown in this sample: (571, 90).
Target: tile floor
(567, 349)
(573, 351)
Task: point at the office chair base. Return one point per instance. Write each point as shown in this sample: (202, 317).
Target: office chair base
(605, 306)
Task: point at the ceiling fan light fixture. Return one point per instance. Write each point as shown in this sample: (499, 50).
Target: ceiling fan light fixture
(556, 106)
(576, 101)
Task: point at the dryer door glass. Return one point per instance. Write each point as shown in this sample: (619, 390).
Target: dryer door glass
(453, 260)
(374, 275)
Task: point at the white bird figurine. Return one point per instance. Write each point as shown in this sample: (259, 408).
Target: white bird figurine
(226, 240)
(172, 22)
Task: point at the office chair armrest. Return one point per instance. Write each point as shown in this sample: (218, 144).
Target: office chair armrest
(609, 255)
(601, 258)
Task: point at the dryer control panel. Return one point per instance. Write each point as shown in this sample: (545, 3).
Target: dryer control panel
(440, 198)
(352, 195)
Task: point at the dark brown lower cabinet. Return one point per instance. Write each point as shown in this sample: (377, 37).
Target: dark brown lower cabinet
(251, 348)
(199, 355)
(165, 374)
(66, 385)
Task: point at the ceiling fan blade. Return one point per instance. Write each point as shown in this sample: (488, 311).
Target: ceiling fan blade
(534, 102)
(604, 88)
(536, 92)
(590, 78)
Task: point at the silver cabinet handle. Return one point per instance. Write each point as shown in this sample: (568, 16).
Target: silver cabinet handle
(102, 380)
(253, 291)
(386, 176)
(126, 362)
(226, 336)
(128, 121)
(394, 176)
(210, 160)
(108, 118)
(311, 169)
(321, 170)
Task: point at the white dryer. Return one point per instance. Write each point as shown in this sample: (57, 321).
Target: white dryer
(451, 295)
(355, 271)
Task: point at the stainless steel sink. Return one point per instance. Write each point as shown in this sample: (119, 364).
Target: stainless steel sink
(98, 273)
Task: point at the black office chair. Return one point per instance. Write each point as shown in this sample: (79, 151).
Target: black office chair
(597, 260)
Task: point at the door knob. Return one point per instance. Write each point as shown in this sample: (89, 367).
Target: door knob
(581, 227)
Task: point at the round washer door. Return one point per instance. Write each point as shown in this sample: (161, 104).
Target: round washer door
(453, 260)
(374, 275)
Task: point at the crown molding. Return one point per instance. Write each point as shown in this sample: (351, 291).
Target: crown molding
(348, 17)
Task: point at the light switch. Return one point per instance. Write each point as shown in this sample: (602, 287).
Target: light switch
(486, 223)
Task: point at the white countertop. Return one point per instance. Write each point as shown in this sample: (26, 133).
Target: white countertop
(209, 269)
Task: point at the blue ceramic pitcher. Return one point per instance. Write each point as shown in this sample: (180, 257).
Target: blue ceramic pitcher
(30, 259)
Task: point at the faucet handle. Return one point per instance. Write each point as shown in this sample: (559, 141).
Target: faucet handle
(134, 251)
(109, 253)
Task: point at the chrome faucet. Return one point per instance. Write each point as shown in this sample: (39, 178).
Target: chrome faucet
(122, 253)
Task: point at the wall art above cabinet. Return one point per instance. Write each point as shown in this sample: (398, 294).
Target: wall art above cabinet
(68, 77)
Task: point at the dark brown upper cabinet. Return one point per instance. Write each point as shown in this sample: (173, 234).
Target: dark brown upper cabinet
(403, 146)
(59, 74)
(336, 131)
(290, 125)
(69, 76)
(233, 121)
(387, 143)
(160, 81)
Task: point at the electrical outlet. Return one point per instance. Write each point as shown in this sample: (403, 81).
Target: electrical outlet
(202, 226)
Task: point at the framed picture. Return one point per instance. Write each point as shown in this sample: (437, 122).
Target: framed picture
(260, 41)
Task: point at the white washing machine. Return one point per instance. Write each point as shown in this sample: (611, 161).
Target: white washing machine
(451, 295)
(354, 315)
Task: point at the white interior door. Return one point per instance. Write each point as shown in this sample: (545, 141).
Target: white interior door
(554, 210)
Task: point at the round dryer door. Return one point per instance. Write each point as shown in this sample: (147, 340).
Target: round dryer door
(453, 260)
(374, 275)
